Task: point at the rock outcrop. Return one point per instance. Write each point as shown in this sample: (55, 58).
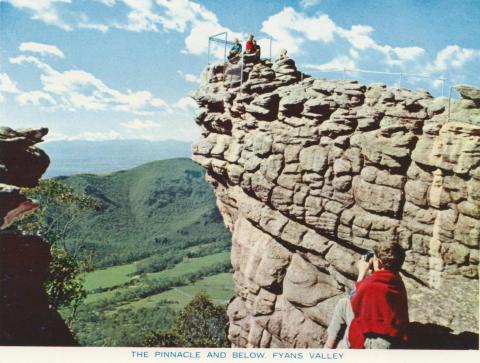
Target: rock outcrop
(25, 316)
(311, 173)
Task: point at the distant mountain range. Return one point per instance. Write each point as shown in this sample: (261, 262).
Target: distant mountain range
(75, 157)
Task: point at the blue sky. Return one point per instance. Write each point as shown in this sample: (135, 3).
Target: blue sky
(109, 69)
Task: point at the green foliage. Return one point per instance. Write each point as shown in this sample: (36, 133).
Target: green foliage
(65, 283)
(200, 324)
(162, 339)
(98, 320)
(60, 207)
(122, 327)
(157, 209)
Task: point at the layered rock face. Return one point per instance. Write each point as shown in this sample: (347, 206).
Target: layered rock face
(309, 174)
(25, 317)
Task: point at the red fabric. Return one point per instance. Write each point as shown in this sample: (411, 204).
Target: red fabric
(380, 306)
(249, 46)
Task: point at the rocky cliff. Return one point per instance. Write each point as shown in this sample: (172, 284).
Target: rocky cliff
(310, 173)
(25, 316)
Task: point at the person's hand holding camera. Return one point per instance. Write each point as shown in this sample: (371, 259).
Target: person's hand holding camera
(364, 265)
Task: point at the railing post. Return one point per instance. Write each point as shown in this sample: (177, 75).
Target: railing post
(270, 49)
(208, 59)
(400, 81)
(449, 103)
(225, 48)
(241, 72)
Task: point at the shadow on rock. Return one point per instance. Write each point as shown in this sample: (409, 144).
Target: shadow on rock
(432, 336)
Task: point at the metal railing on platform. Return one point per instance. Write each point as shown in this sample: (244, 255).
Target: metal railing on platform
(402, 76)
(219, 42)
(233, 70)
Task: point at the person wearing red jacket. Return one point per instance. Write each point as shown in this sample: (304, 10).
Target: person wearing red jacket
(376, 316)
(249, 45)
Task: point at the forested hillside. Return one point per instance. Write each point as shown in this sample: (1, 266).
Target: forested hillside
(155, 240)
(158, 209)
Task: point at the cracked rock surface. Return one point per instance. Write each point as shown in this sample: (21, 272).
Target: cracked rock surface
(309, 174)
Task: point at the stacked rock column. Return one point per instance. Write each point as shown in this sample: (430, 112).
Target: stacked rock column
(311, 173)
(25, 316)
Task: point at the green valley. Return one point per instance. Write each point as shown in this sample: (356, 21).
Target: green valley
(155, 240)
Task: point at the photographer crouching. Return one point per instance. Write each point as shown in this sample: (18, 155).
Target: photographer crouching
(375, 315)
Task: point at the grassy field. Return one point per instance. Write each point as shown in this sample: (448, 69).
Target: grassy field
(191, 265)
(118, 275)
(127, 322)
(109, 277)
(218, 287)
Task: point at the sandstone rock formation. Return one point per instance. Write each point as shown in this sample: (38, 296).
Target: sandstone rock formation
(25, 317)
(311, 173)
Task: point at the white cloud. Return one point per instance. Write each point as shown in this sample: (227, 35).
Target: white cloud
(183, 15)
(107, 2)
(408, 53)
(93, 26)
(63, 82)
(437, 83)
(31, 59)
(289, 29)
(7, 85)
(354, 53)
(43, 10)
(41, 48)
(338, 63)
(78, 89)
(179, 13)
(141, 16)
(189, 77)
(138, 124)
(186, 103)
(83, 90)
(197, 41)
(47, 11)
(452, 56)
(36, 98)
(309, 3)
(358, 36)
(173, 15)
(85, 23)
(88, 136)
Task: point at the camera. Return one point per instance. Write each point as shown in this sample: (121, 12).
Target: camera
(367, 256)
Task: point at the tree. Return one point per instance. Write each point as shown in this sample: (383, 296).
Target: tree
(200, 324)
(162, 339)
(60, 207)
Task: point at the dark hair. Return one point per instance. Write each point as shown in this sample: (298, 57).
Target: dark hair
(391, 254)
